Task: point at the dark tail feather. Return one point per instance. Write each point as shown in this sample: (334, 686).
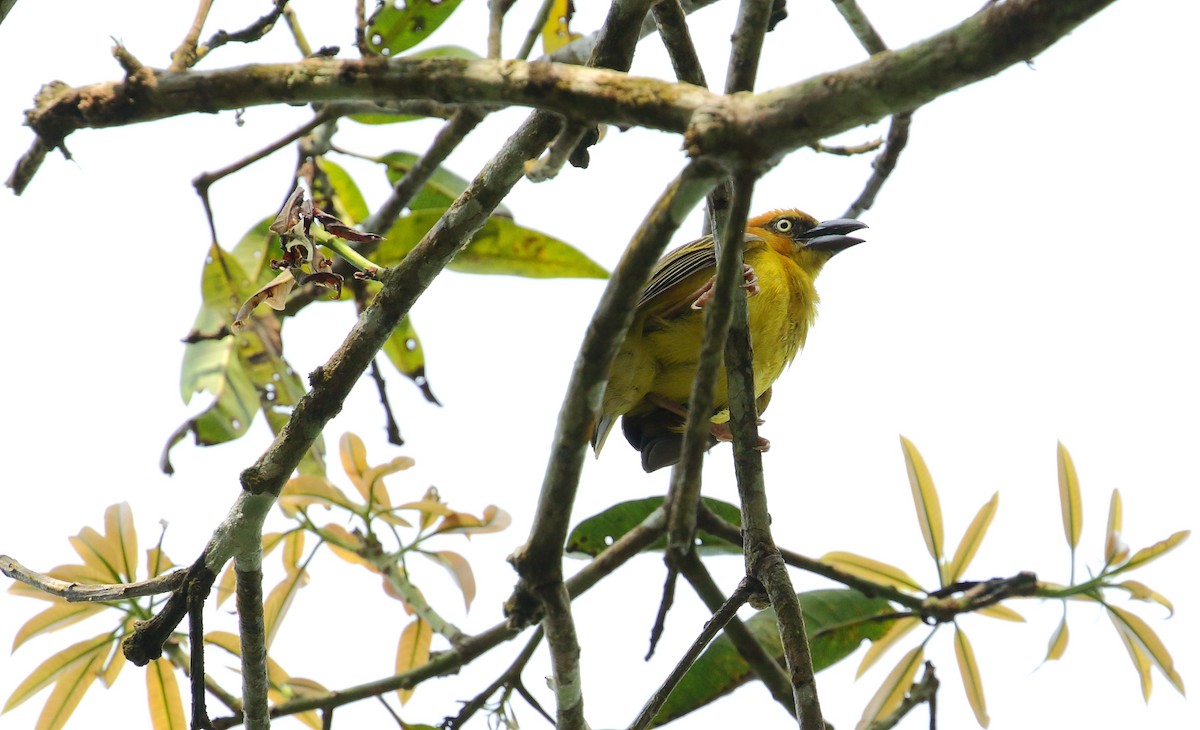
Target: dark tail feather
(658, 436)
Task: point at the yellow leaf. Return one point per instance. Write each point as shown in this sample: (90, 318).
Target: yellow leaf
(900, 628)
(293, 550)
(116, 658)
(120, 531)
(1002, 612)
(460, 571)
(1154, 552)
(162, 690)
(81, 653)
(280, 600)
(68, 691)
(1058, 641)
(1140, 633)
(929, 511)
(54, 618)
(157, 562)
(311, 489)
(1136, 655)
(972, 682)
(972, 539)
(354, 460)
(872, 570)
(413, 651)
(1115, 551)
(1068, 494)
(228, 584)
(103, 557)
(494, 520)
(893, 689)
(375, 486)
(1142, 592)
(270, 541)
(344, 544)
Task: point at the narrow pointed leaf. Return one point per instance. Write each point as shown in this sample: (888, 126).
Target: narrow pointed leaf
(157, 562)
(54, 618)
(227, 585)
(1140, 633)
(354, 460)
(594, 534)
(280, 600)
(493, 519)
(1141, 663)
(1058, 641)
(1112, 535)
(310, 489)
(871, 569)
(1002, 612)
(99, 553)
(1154, 552)
(972, 539)
(68, 691)
(929, 510)
(50, 669)
(1068, 494)
(968, 668)
(293, 550)
(116, 660)
(413, 651)
(120, 531)
(403, 349)
(893, 689)
(901, 627)
(344, 544)
(162, 690)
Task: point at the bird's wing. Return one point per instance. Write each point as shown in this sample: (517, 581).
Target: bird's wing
(693, 263)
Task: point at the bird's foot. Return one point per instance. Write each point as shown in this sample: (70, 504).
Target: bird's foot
(722, 432)
(705, 293)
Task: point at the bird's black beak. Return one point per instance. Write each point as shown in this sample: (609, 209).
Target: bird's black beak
(831, 235)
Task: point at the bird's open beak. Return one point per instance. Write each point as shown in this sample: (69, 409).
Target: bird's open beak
(831, 235)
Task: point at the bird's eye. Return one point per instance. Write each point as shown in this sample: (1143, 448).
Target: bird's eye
(784, 225)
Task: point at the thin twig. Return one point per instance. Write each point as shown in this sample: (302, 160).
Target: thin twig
(509, 677)
(497, 9)
(293, 23)
(860, 25)
(196, 669)
(923, 691)
(249, 34)
(392, 428)
(672, 27)
(764, 666)
(535, 29)
(78, 592)
(185, 55)
(883, 165)
(727, 611)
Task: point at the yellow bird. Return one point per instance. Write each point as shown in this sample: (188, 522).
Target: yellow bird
(651, 379)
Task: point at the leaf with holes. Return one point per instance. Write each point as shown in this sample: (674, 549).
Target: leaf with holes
(401, 24)
(403, 349)
(594, 534)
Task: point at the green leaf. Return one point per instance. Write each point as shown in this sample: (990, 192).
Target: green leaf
(500, 247)
(836, 621)
(348, 201)
(594, 534)
(441, 190)
(401, 24)
(253, 254)
(1068, 494)
(929, 510)
(403, 349)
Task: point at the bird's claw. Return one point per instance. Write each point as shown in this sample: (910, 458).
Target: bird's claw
(749, 283)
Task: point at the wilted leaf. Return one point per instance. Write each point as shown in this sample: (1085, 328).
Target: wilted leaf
(162, 690)
(354, 461)
(929, 510)
(460, 571)
(837, 621)
(893, 689)
(870, 569)
(344, 544)
(901, 627)
(972, 682)
(306, 489)
(413, 651)
(1142, 592)
(594, 534)
(494, 519)
(397, 26)
(1068, 494)
(972, 539)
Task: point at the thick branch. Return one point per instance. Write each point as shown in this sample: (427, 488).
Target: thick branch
(759, 127)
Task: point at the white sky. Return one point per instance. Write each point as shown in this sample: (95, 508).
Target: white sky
(1028, 277)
